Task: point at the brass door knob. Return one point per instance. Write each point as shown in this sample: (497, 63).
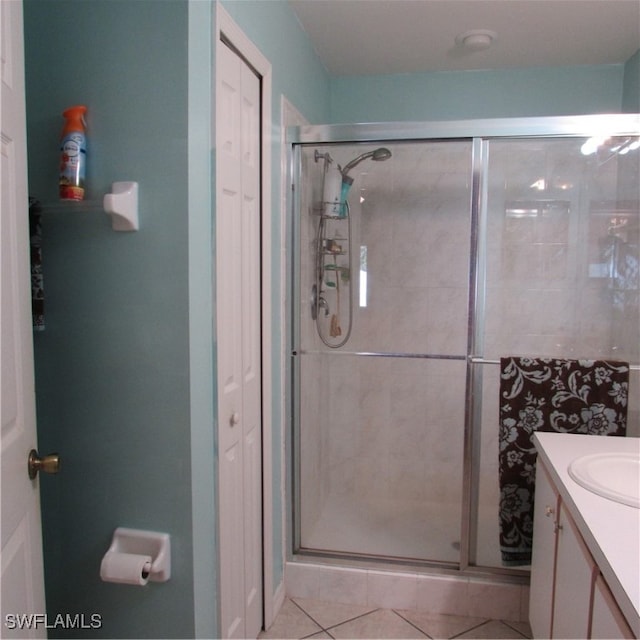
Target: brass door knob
(48, 464)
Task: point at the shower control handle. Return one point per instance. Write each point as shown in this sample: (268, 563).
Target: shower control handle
(234, 419)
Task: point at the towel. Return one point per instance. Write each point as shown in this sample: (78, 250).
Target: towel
(37, 281)
(543, 394)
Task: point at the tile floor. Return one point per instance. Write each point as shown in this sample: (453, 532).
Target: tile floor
(306, 618)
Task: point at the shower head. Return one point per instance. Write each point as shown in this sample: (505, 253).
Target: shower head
(378, 155)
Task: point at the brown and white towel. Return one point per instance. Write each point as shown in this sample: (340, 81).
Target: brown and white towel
(544, 394)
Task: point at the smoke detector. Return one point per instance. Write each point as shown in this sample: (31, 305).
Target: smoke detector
(476, 39)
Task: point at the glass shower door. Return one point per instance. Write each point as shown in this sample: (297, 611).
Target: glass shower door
(560, 274)
(379, 425)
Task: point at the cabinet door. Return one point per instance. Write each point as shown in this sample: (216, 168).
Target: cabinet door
(607, 620)
(544, 552)
(575, 571)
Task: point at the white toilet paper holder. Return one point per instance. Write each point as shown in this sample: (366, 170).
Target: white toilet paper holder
(146, 543)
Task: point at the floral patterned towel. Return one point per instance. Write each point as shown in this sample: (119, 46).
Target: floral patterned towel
(37, 281)
(543, 394)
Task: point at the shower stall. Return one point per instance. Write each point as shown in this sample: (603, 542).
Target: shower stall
(421, 254)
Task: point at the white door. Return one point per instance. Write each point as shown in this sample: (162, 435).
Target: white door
(238, 318)
(22, 587)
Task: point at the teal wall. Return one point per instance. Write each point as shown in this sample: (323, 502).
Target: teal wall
(461, 95)
(125, 369)
(297, 71)
(112, 366)
(631, 90)
(201, 312)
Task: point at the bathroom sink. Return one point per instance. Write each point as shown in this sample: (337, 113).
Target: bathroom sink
(615, 476)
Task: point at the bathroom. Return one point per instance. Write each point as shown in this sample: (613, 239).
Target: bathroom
(123, 367)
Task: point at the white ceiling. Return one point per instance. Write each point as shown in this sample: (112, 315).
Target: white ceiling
(363, 37)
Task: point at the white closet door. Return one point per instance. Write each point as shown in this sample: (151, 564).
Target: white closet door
(239, 349)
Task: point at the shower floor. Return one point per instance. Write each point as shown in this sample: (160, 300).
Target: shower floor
(402, 529)
(413, 530)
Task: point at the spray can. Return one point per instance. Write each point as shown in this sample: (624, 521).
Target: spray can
(73, 154)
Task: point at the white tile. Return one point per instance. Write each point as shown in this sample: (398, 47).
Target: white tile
(382, 623)
(330, 614)
(436, 625)
(392, 590)
(524, 603)
(301, 580)
(523, 627)
(291, 622)
(491, 600)
(338, 584)
(494, 630)
(443, 594)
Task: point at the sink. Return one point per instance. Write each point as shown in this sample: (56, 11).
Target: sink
(615, 476)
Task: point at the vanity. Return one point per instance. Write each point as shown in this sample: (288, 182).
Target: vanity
(585, 572)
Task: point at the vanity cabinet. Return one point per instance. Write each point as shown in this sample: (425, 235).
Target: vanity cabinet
(569, 598)
(544, 555)
(573, 581)
(607, 620)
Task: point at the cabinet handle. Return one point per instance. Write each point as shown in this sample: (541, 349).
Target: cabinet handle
(548, 511)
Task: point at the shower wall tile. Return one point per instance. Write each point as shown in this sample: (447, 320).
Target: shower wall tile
(392, 590)
(448, 595)
(345, 585)
(385, 429)
(493, 600)
(525, 594)
(441, 594)
(301, 580)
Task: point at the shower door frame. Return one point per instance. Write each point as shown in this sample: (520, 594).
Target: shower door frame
(480, 132)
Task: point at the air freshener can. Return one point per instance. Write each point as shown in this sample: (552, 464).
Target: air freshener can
(73, 155)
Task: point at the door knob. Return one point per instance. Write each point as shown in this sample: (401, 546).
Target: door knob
(48, 464)
(234, 419)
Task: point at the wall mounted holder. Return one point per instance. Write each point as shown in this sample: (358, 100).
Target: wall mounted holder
(136, 557)
(122, 205)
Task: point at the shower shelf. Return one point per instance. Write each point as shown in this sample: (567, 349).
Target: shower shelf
(71, 206)
(341, 270)
(121, 205)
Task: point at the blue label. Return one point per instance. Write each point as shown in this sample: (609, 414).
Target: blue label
(73, 159)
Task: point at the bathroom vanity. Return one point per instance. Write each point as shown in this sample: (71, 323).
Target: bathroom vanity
(585, 573)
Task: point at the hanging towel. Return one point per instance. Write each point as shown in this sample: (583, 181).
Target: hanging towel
(37, 281)
(543, 394)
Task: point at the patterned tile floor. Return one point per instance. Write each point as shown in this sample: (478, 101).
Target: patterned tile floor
(305, 618)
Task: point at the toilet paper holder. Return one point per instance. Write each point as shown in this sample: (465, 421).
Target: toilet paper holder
(146, 543)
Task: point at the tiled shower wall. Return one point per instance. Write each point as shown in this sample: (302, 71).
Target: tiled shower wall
(387, 433)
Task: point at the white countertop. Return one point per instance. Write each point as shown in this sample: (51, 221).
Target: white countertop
(611, 530)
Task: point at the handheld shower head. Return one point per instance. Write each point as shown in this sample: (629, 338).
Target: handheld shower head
(382, 153)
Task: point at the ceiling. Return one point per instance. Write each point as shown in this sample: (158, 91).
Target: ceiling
(365, 37)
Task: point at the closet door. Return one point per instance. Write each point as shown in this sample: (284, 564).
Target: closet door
(238, 317)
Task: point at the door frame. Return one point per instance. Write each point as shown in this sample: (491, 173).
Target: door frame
(226, 27)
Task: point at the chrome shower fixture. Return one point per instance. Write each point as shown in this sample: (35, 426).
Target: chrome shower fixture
(322, 156)
(378, 155)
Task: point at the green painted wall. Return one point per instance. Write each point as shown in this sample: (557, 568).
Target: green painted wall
(631, 89)
(201, 312)
(112, 366)
(126, 366)
(461, 95)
